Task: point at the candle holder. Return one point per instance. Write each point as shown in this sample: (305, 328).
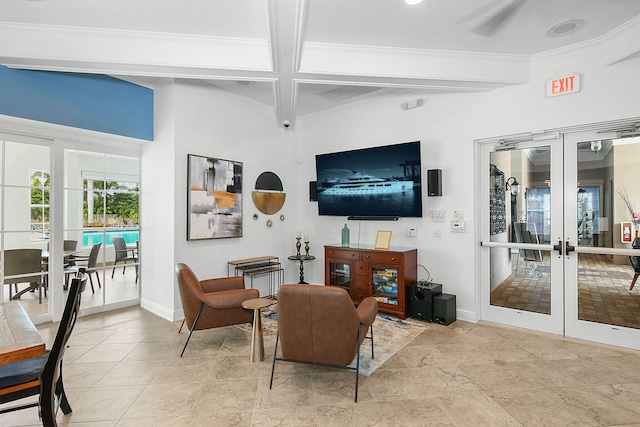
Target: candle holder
(306, 247)
(298, 245)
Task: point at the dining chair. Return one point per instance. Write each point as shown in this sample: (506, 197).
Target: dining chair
(68, 246)
(20, 262)
(122, 254)
(89, 267)
(136, 258)
(42, 375)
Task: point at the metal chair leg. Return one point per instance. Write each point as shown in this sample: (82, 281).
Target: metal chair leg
(372, 355)
(93, 291)
(357, 366)
(273, 365)
(195, 322)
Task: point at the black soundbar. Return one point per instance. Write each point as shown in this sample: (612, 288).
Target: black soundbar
(372, 218)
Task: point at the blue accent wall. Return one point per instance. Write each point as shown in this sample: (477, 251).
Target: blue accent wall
(87, 101)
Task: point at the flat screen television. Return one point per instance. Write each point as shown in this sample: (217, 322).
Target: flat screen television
(371, 183)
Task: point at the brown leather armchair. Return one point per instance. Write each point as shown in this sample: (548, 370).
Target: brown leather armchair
(212, 303)
(320, 325)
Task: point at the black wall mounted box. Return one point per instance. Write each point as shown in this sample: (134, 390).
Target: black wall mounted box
(434, 182)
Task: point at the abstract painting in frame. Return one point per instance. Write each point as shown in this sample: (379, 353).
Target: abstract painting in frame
(214, 198)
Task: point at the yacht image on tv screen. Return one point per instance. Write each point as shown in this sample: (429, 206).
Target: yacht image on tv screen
(359, 183)
(378, 181)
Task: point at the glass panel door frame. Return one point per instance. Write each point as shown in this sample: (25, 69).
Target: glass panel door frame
(553, 322)
(565, 168)
(16, 232)
(576, 328)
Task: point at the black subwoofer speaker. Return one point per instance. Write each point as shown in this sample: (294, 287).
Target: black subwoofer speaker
(434, 182)
(444, 309)
(421, 299)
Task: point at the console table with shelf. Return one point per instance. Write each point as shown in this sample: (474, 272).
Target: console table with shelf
(365, 271)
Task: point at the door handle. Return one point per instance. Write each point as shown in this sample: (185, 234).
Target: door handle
(569, 248)
(558, 247)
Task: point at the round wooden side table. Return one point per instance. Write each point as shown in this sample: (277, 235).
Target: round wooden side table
(257, 344)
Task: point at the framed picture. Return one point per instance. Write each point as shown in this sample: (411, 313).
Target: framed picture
(626, 232)
(383, 239)
(214, 205)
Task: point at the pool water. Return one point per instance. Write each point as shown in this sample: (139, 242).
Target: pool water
(90, 238)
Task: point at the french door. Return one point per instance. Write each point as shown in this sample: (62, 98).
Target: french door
(554, 256)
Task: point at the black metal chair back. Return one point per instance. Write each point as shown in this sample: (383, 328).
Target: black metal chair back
(46, 370)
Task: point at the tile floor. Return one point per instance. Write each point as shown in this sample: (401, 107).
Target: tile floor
(123, 369)
(603, 290)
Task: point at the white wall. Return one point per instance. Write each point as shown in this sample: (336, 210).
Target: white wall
(447, 125)
(157, 209)
(199, 119)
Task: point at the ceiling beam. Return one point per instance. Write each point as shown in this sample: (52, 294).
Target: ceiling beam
(286, 27)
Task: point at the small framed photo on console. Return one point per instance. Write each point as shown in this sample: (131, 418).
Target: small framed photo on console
(383, 239)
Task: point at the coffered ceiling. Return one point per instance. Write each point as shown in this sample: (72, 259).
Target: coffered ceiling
(299, 57)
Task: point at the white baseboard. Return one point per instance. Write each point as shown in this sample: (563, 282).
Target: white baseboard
(161, 311)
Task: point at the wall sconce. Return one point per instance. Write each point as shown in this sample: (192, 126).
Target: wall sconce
(513, 186)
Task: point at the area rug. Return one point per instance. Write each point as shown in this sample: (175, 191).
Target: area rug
(390, 334)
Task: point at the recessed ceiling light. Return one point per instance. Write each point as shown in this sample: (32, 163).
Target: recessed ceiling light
(565, 28)
(412, 2)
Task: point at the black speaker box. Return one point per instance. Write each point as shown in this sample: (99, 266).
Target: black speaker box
(444, 309)
(421, 299)
(313, 191)
(434, 182)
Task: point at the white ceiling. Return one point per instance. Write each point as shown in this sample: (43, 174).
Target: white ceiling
(299, 57)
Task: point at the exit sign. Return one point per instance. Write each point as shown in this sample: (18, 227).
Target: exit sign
(563, 85)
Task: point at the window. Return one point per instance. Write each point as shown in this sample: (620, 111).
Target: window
(39, 205)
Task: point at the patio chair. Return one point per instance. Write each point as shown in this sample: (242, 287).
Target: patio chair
(90, 267)
(122, 254)
(69, 245)
(24, 261)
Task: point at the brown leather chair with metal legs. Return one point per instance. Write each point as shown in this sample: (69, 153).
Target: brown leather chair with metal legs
(212, 303)
(320, 325)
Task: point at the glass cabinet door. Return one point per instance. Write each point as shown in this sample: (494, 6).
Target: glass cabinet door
(340, 274)
(385, 285)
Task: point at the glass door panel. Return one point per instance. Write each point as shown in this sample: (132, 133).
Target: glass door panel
(26, 224)
(601, 171)
(102, 204)
(523, 276)
(340, 274)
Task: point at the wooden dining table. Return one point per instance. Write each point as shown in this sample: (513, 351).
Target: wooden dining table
(19, 338)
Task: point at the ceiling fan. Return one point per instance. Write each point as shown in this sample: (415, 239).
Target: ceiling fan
(488, 20)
